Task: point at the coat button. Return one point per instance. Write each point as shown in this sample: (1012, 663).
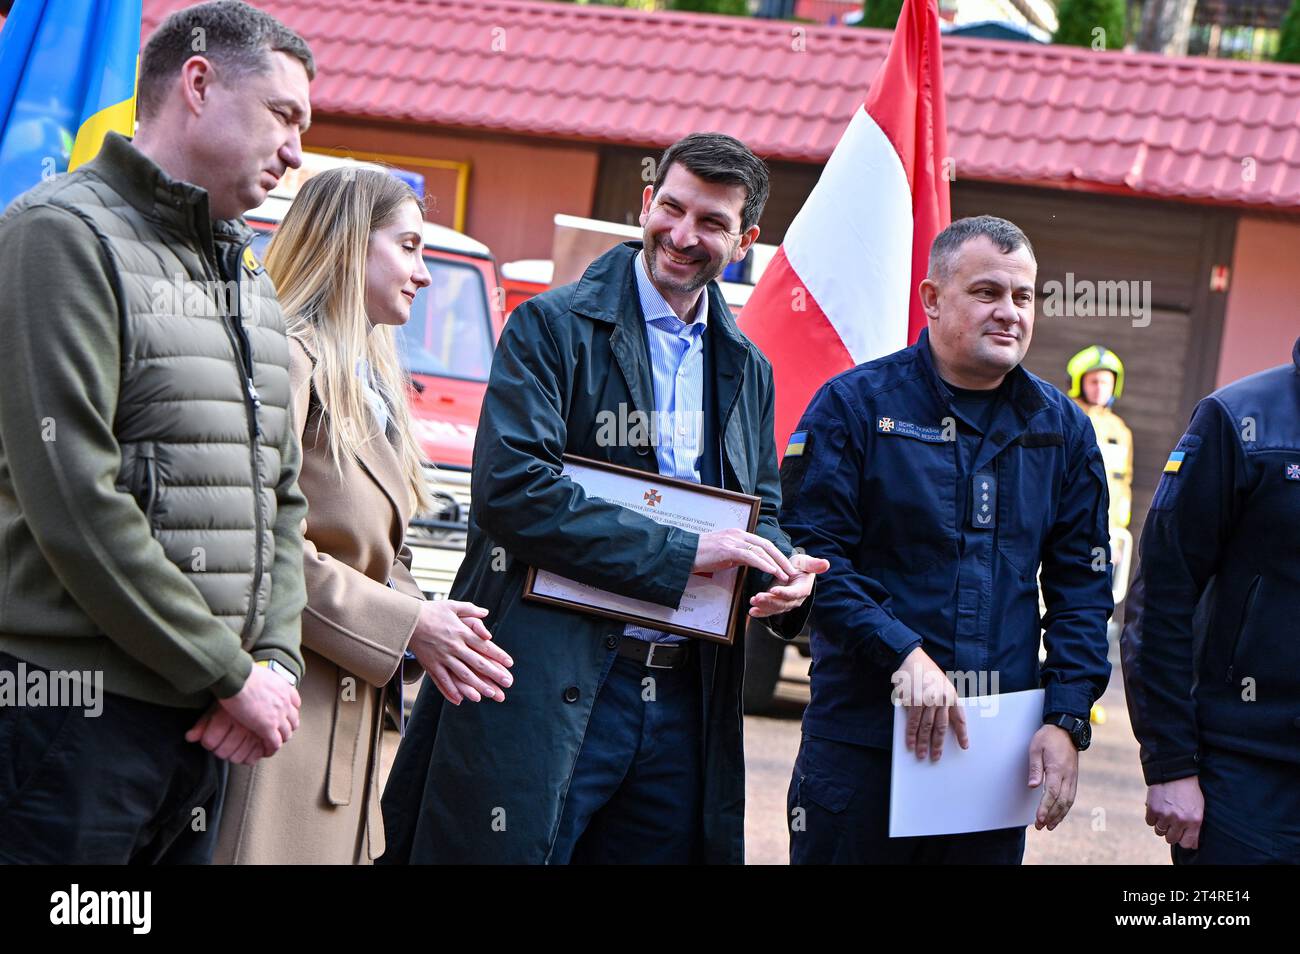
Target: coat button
(571, 694)
(611, 641)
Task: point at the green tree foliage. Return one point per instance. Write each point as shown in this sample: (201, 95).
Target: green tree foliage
(881, 13)
(1288, 50)
(734, 7)
(1079, 21)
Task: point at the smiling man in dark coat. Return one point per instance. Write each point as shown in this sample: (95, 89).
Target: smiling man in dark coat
(615, 743)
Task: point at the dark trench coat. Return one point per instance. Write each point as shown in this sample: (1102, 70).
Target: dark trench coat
(486, 782)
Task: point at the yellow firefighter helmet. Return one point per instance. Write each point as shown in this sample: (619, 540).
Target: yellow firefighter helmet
(1094, 358)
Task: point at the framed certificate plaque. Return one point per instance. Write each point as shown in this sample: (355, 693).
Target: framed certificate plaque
(711, 604)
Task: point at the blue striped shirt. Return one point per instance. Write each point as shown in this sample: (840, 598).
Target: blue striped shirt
(677, 369)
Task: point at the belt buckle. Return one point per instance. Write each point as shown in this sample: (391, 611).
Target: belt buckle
(650, 658)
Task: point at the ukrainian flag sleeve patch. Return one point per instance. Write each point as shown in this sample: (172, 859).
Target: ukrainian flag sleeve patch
(798, 455)
(1170, 482)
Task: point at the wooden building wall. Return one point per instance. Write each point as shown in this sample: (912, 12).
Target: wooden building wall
(515, 185)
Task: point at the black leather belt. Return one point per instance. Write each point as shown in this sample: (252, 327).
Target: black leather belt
(655, 655)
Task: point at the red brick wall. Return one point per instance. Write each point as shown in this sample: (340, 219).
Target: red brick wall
(1261, 325)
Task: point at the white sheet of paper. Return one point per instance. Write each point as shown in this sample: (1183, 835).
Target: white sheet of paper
(976, 789)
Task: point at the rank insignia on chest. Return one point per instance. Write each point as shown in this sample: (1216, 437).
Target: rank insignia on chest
(983, 502)
(1293, 471)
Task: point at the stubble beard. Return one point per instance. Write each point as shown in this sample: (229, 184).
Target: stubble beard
(702, 277)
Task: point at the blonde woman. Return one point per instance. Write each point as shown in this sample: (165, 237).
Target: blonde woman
(347, 262)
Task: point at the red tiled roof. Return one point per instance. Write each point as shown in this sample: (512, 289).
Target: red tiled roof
(1018, 112)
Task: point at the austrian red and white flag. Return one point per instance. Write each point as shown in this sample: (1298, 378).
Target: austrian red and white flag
(841, 289)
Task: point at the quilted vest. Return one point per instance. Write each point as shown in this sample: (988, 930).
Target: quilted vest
(203, 404)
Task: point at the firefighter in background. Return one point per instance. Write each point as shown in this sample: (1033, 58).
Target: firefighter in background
(1096, 380)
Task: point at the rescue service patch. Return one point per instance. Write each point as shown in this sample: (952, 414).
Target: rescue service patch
(893, 426)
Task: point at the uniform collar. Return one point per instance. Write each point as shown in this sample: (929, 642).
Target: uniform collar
(607, 292)
(1018, 388)
(180, 206)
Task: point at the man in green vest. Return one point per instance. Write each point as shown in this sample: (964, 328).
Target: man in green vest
(151, 581)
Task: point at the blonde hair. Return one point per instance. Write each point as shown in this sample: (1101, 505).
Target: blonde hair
(317, 260)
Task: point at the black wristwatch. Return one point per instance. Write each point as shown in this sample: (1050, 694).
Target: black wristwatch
(1080, 729)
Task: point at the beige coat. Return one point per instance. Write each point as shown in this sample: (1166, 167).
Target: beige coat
(316, 801)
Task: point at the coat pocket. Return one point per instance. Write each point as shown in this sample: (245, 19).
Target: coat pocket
(31, 740)
(1025, 505)
(820, 790)
(1237, 653)
(145, 486)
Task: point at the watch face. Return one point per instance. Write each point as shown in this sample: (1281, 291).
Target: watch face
(283, 671)
(1082, 734)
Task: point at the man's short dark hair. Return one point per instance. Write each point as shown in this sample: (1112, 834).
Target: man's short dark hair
(233, 35)
(717, 157)
(943, 251)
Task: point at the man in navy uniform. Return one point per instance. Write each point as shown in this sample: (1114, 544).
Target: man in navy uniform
(936, 481)
(1211, 653)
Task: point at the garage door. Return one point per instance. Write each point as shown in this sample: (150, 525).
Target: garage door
(1169, 363)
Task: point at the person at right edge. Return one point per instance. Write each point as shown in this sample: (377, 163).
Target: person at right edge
(936, 481)
(1210, 654)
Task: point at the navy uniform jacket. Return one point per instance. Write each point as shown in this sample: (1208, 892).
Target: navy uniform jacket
(1211, 648)
(887, 480)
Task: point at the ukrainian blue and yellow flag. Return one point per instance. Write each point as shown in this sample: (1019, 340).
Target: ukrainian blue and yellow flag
(67, 77)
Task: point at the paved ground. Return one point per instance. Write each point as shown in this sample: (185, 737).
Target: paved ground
(1105, 826)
